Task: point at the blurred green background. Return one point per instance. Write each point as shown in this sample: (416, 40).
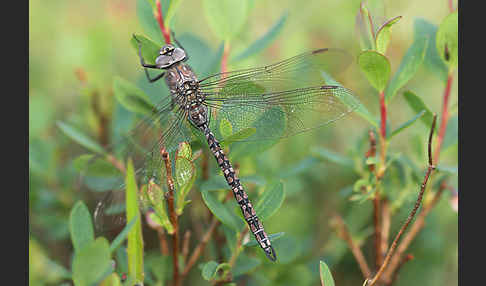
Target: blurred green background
(76, 48)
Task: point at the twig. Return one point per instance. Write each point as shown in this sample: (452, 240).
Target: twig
(200, 247)
(237, 248)
(385, 227)
(358, 255)
(402, 262)
(158, 16)
(410, 236)
(414, 210)
(372, 151)
(224, 60)
(377, 225)
(383, 142)
(451, 6)
(185, 245)
(172, 216)
(116, 163)
(444, 118)
(164, 249)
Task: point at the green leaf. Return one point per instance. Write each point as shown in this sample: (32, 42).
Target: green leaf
(447, 40)
(408, 67)
(185, 177)
(351, 101)
(221, 211)
(238, 136)
(135, 241)
(209, 270)
(145, 15)
(215, 183)
(80, 226)
(93, 166)
(245, 264)
(270, 201)
(131, 97)
(123, 234)
(325, 273)
(272, 237)
(174, 4)
(92, 263)
(432, 61)
(376, 68)
(150, 49)
(81, 138)
(365, 29)
(184, 151)
(406, 124)
(383, 34)
(112, 280)
(226, 17)
(153, 198)
(333, 157)
(264, 41)
(225, 128)
(417, 105)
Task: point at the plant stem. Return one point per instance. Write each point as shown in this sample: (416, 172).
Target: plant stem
(237, 248)
(402, 262)
(385, 227)
(164, 249)
(158, 16)
(224, 60)
(343, 232)
(418, 224)
(200, 247)
(172, 216)
(430, 168)
(376, 221)
(444, 118)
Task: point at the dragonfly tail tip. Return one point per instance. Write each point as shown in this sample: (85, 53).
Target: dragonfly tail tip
(271, 254)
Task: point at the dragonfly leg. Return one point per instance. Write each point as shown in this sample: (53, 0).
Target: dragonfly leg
(145, 66)
(155, 78)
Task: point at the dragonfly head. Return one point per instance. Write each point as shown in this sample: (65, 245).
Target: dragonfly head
(169, 55)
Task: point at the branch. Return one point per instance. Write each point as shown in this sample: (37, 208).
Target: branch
(172, 215)
(402, 262)
(185, 245)
(385, 227)
(444, 119)
(158, 16)
(414, 230)
(200, 247)
(414, 210)
(224, 60)
(346, 236)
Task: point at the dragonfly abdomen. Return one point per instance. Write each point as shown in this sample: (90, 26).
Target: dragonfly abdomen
(240, 195)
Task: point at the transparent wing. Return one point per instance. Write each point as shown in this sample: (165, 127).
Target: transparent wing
(303, 70)
(165, 128)
(282, 99)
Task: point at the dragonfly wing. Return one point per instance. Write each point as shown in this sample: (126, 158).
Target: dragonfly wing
(286, 113)
(282, 99)
(166, 128)
(303, 70)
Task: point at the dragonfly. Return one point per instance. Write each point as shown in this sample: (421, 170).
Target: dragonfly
(275, 101)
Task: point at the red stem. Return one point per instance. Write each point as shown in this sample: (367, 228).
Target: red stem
(224, 60)
(444, 118)
(160, 19)
(383, 114)
(451, 6)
